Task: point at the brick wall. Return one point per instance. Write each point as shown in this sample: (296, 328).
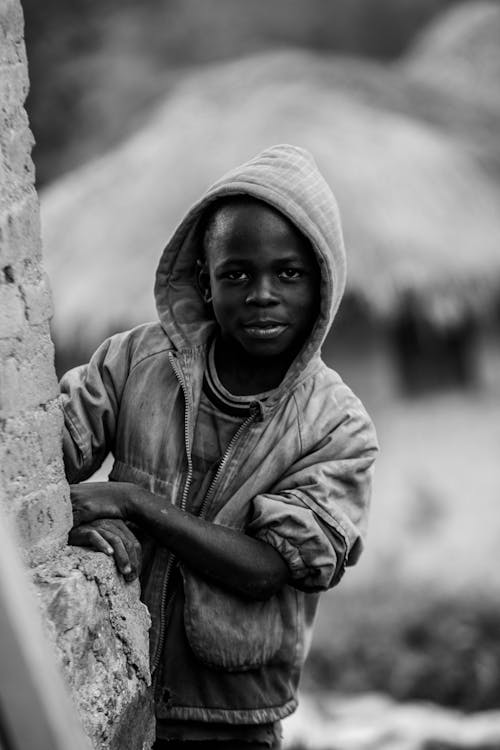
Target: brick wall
(30, 455)
(96, 622)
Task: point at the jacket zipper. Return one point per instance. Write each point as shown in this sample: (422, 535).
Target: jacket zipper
(185, 493)
(254, 413)
(211, 490)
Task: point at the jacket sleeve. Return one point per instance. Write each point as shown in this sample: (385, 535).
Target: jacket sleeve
(316, 515)
(91, 397)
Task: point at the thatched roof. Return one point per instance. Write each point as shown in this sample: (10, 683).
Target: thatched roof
(420, 216)
(453, 70)
(463, 46)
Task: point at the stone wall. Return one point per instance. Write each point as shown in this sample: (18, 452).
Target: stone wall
(96, 622)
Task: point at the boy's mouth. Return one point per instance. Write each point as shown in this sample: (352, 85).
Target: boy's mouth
(265, 329)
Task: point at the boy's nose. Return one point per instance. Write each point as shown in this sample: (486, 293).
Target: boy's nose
(262, 292)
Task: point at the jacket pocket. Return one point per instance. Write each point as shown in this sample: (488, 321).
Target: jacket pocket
(226, 631)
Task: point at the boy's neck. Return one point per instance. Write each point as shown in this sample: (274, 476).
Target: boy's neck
(243, 374)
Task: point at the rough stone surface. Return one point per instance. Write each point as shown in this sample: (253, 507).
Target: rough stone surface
(98, 626)
(96, 621)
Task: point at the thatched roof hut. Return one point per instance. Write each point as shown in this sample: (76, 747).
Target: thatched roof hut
(461, 50)
(453, 70)
(420, 216)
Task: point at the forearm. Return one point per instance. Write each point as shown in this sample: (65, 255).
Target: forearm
(228, 557)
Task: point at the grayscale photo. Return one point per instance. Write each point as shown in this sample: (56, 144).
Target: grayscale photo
(249, 375)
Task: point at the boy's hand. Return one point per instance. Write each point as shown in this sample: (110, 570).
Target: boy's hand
(95, 500)
(113, 537)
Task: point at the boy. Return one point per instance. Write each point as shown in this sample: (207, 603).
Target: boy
(240, 457)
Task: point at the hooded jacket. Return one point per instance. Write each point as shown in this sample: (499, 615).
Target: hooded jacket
(297, 474)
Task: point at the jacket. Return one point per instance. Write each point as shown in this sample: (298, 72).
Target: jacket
(297, 473)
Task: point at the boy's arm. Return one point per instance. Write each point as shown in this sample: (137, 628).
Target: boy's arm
(249, 567)
(303, 532)
(316, 515)
(90, 397)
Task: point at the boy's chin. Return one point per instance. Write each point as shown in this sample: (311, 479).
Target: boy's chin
(261, 348)
(268, 349)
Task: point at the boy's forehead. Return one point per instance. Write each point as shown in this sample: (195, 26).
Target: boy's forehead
(245, 207)
(242, 216)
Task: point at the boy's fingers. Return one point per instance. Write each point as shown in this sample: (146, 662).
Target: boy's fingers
(119, 528)
(126, 566)
(134, 550)
(85, 536)
(113, 537)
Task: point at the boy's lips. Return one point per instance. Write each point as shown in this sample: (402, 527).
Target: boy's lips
(264, 329)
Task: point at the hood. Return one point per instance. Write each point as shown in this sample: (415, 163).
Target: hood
(287, 178)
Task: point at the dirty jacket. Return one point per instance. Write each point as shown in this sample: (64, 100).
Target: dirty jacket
(296, 474)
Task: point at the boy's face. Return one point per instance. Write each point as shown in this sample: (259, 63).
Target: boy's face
(263, 279)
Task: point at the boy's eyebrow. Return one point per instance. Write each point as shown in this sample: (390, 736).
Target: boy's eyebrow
(229, 262)
(280, 260)
(290, 259)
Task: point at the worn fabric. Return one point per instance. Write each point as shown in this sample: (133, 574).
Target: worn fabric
(214, 390)
(219, 416)
(262, 735)
(233, 744)
(297, 474)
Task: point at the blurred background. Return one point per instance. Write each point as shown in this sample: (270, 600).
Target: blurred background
(137, 107)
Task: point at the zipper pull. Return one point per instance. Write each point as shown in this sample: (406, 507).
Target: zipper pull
(257, 411)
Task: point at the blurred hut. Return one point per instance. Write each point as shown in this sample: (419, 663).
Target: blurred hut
(453, 68)
(420, 215)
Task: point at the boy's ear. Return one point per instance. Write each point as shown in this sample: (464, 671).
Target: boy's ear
(203, 280)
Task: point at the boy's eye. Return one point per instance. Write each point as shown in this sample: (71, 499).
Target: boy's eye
(235, 275)
(290, 273)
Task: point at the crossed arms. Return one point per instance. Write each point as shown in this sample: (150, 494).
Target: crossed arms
(230, 558)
